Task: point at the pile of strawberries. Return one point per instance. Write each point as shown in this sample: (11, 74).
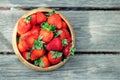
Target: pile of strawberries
(44, 39)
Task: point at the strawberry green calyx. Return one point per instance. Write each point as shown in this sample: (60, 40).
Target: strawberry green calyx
(39, 62)
(56, 54)
(28, 18)
(36, 62)
(72, 51)
(19, 39)
(58, 33)
(50, 13)
(38, 44)
(28, 56)
(64, 42)
(48, 27)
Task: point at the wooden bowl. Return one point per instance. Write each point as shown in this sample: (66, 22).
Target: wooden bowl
(14, 41)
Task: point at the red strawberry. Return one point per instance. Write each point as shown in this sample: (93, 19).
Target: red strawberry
(22, 46)
(69, 39)
(55, 45)
(65, 34)
(68, 50)
(54, 57)
(35, 31)
(37, 53)
(47, 35)
(56, 20)
(33, 20)
(64, 25)
(26, 55)
(44, 62)
(41, 17)
(24, 25)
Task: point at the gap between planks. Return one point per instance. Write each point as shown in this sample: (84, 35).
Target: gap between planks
(78, 53)
(65, 8)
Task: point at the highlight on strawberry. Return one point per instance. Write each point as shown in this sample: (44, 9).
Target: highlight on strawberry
(44, 39)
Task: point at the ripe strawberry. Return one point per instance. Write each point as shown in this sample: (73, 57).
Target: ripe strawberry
(42, 62)
(56, 20)
(69, 39)
(26, 55)
(22, 46)
(54, 57)
(41, 17)
(65, 34)
(24, 25)
(33, 20)
(55, 45)
(47, 35)
(37, 53)
(64, 25)
(68, 50)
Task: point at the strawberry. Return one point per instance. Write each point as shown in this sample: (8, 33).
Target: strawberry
(30, 36)
(47, 32)
(38, 49)
(68, 50)
(47, 35)
(26, 55)
(37, 53)
(65, 34)
(54, 57)
(64, 25)
(24, 25)
(55, 45)
(33, 20)
(69, 39)
(41, 17)
(42, 62)
(56, 20)
(22, 46)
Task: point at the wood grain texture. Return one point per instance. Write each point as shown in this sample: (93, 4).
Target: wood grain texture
(60, 3)
(82, 67)
(94, 30)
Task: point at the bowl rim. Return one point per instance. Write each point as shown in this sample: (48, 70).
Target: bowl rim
(14, 42)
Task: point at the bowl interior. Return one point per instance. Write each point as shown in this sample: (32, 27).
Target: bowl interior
(14, 41)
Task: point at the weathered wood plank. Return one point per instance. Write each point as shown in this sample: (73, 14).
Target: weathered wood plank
(60, 3)
(79, 67)
(95, 30)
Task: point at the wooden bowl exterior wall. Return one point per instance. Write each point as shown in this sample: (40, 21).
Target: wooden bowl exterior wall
(14, 42)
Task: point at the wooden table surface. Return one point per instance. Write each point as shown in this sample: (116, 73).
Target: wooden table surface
(97, 28)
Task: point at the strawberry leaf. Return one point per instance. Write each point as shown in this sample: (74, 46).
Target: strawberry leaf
(36, 62)
(58, 33)
(48, 27)
(40, 37)
(64, 42)
(56, 54)
(28, 56)
(19, 39)
(41, 64)
(72, 50)
(50, 13)
(38, 44)
(27, 19)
